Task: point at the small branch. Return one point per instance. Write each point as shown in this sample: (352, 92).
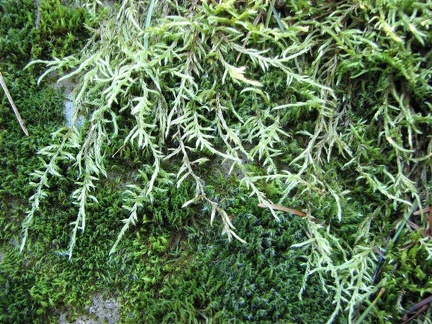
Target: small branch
(284, 209)
(38, 13)
(17, 114)
(291, 211)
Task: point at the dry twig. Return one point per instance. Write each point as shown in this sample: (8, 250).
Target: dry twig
(17, 114)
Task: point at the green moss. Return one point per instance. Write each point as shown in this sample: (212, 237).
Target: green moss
(203, 278)
(338, 130)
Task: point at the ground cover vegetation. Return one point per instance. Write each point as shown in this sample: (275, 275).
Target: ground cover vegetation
(196, 113)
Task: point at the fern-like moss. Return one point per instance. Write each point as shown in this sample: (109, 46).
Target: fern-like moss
(324, 108)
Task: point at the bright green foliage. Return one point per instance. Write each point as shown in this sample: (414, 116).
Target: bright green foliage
(326, 109)
(15, 27)
(176, 93)
(52, 33)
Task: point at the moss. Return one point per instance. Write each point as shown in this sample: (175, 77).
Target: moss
(336, 140)
(203, 278)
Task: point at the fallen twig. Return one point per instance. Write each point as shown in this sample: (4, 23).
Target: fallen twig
(38, 13)
(418, 309)
(289, 210)
(424, 210)
(17, 114)
(283, 208)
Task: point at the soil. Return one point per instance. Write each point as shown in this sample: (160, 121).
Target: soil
(101, 311)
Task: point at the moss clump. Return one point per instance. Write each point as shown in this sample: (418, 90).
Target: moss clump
(322, 107)
(257, 282)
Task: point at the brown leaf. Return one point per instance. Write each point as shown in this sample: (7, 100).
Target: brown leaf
(284, 209)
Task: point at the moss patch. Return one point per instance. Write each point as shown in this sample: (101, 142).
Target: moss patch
(329, 116)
